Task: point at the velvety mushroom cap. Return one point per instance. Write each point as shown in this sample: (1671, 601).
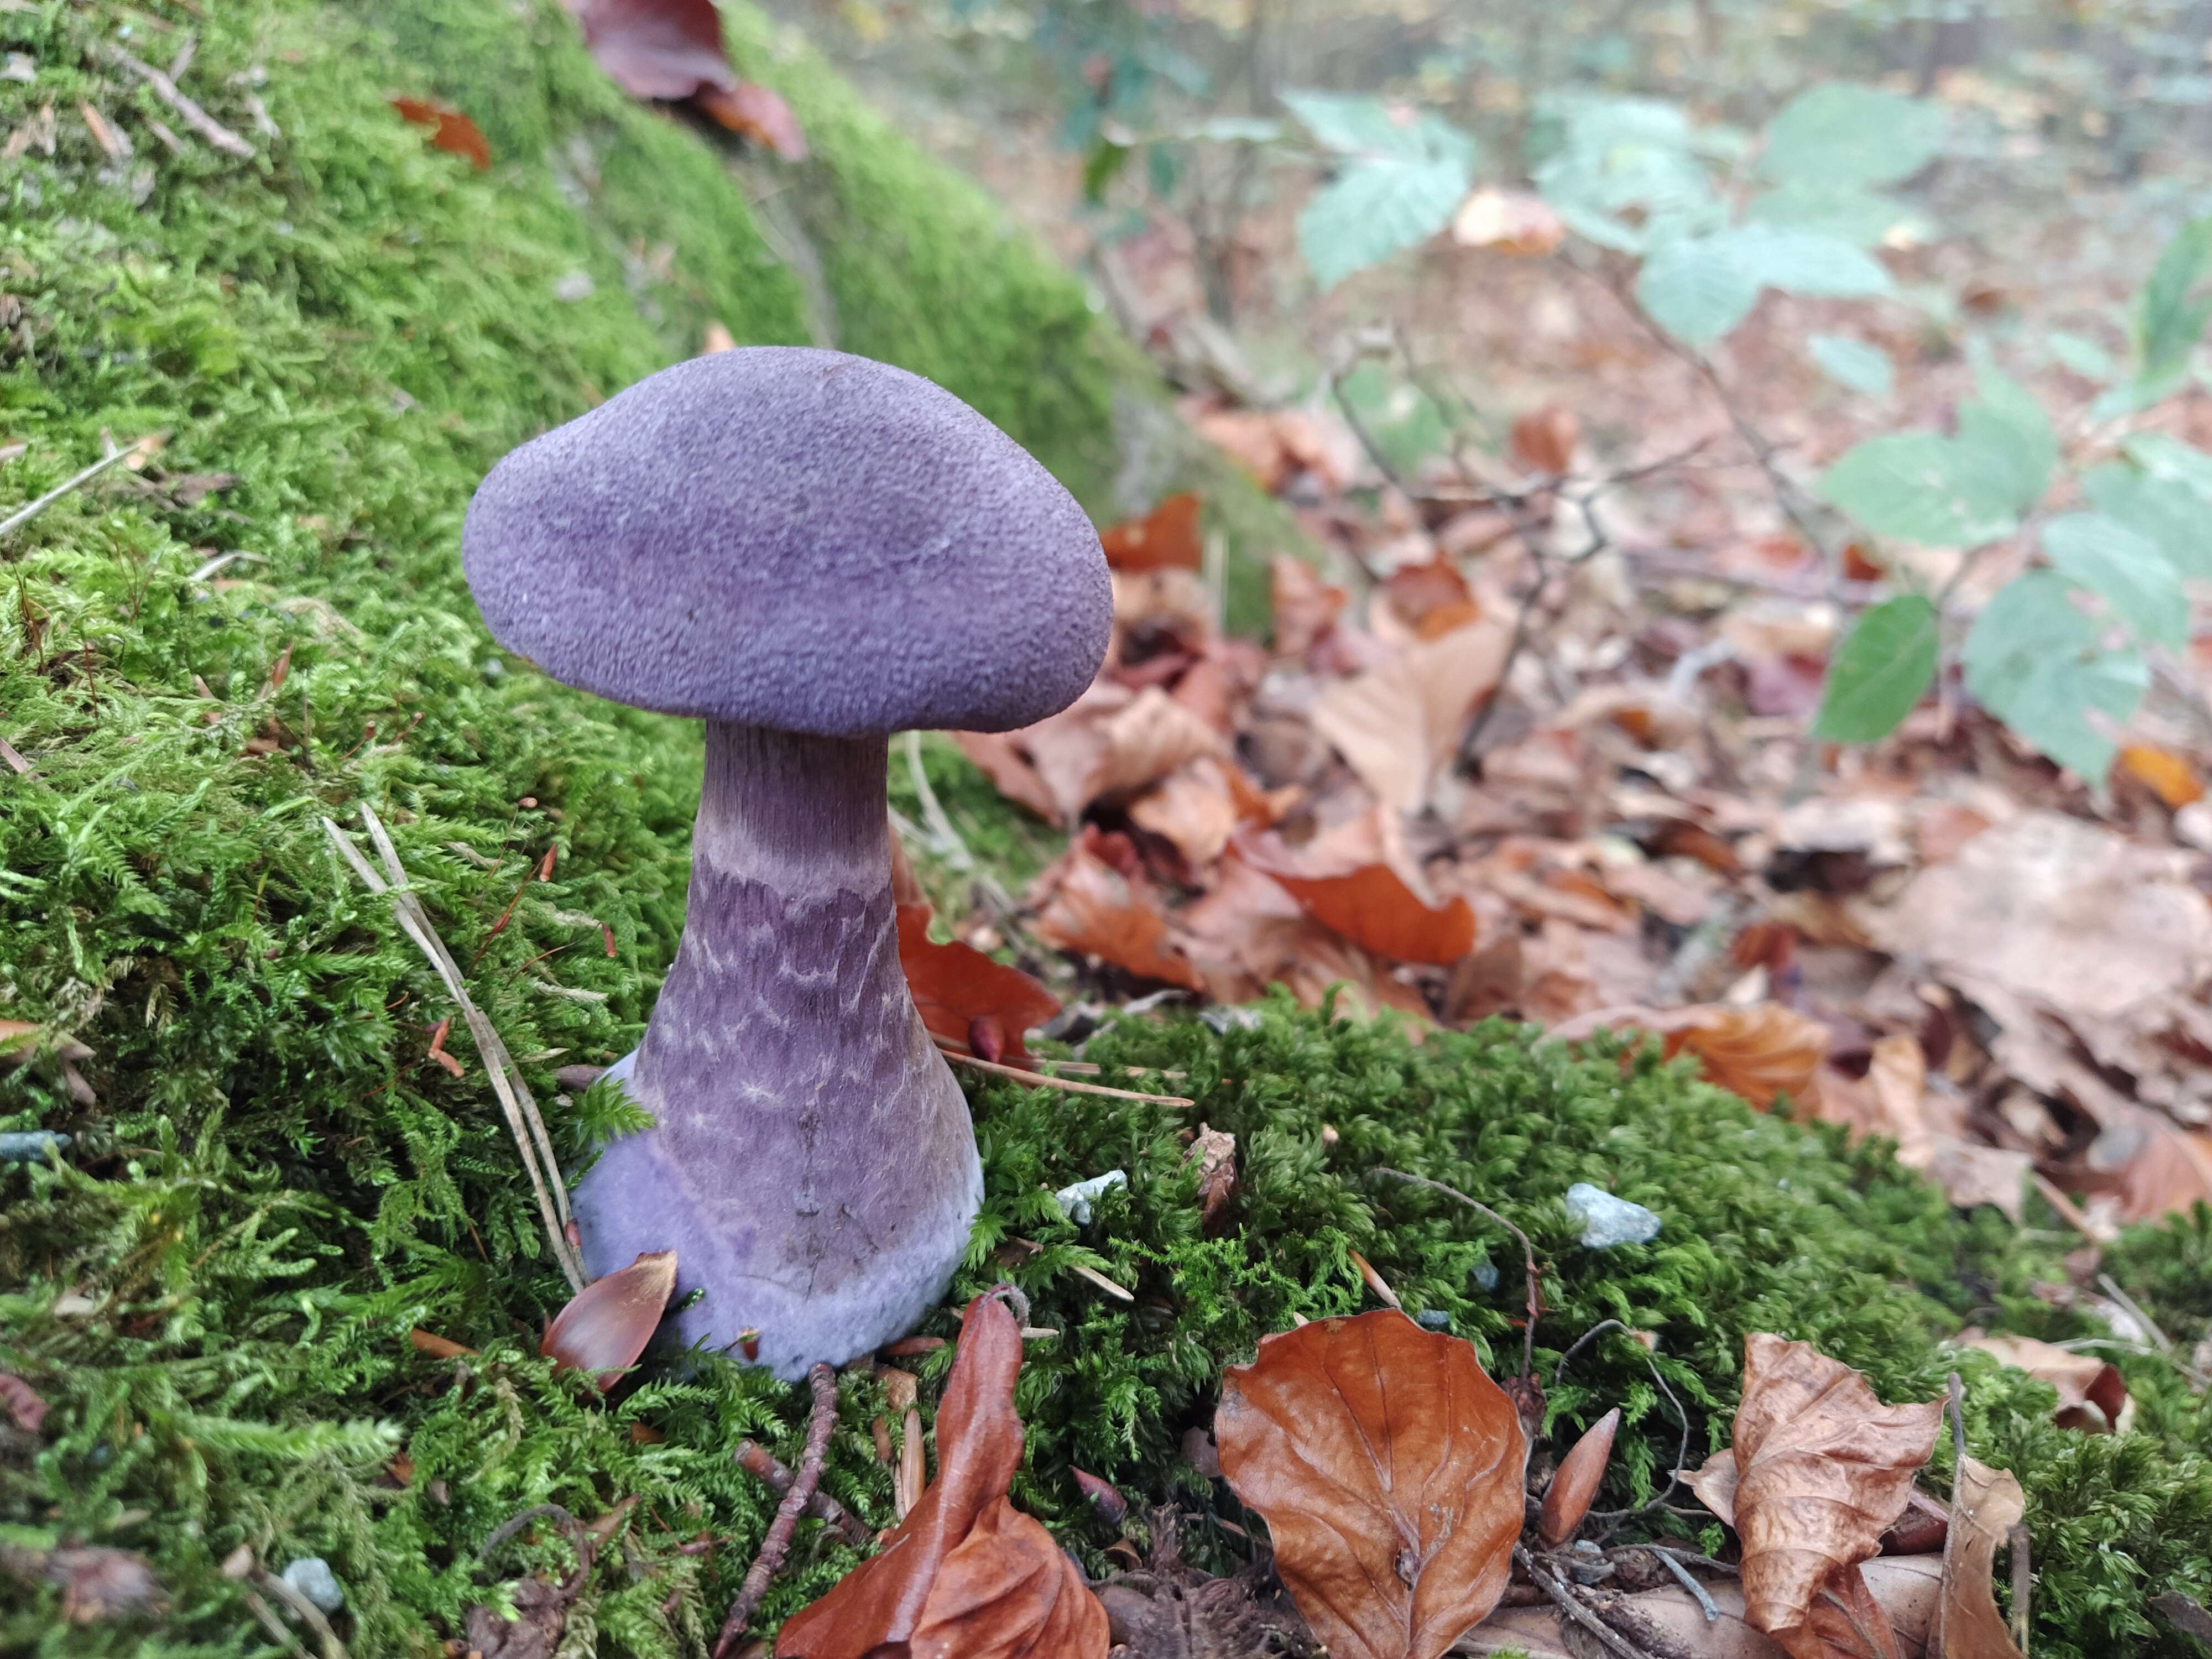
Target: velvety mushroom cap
(794, 538)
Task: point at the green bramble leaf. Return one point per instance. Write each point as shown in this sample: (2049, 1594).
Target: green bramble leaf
(1883, 667)
(1853, 363)
(1864, 218)
(2165, 512)
(1924, 486)
(1841, 135)
(2170, 313)
(2124, 570)
(2164, 456)
(1699, 288)
(2038, 664)
(2083, 355)
(2013, 434)
(1407, 171)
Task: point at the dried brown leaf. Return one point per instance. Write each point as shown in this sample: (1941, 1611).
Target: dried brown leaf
(664, 49)
(1095, 909)
(607, 1324)
(1823, 1470)
(1214, 1151)
(1305, 606)
(760, 113)
(1986, 1504)
(1372, 905)
(1394, 725)
(1759, 1052)
(1002, 760)
(963, 1576)
(1567, 1499)
(1544, 441)
(1388, 1468)
(26, 1407)
(2169, 777)
(1168, 538)
(2092, 1395)
(956, 988)
(449, 130)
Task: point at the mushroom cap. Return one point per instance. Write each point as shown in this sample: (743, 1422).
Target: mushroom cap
(796, 539)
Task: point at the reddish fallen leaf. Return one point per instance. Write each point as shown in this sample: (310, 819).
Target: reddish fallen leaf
(757, 112)
(438, 1347)
(449, 130)
(1096, 910)
(1388, 1468)
(1103, 1496)
(957, 987)
(1396, 724)
(964, 1576)
(1373, 905)
(1543, 440)
(2092, 1395)
(607, 1324)
(672, 50)
(1822, 1469)
(1199, 806)
(1431, 599)
(1567, 1499)
(1002, 760)
(1759, 1052)
(1113, 743)
(1248, 933)
(1167, 538)
(1986, 1504)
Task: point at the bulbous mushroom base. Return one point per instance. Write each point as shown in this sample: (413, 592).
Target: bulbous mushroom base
(742, 1233)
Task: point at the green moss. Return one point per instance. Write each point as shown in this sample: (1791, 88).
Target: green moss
(277, 1181)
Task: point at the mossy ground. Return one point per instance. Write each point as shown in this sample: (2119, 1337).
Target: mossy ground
(216, 1286)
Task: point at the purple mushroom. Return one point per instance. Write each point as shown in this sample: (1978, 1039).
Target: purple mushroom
(811, 551)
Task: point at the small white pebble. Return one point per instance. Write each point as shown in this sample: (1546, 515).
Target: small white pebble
(1605, 1220)
(576, 285)
(1075, 1201)
(311, 1577)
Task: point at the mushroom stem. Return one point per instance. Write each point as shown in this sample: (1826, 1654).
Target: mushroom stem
(811, 1162)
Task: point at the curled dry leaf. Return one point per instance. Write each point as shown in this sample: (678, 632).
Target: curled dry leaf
(1759, 1052)
(1166, 538)
(956, 986)
(1199, 806)
(1094, 909)
(752, 111)
(1112, 743)
(1543, 440)
(1431, 599)
(449, 130)
(607, 1324)
(1214, 1151)
(1986, 1504)
(95, 1582)
(1823, 1470)
(2092, 1395)
(1003, 760)
(1389, 1468)
(27, 1407)
(1567, 1499)
(965, 1575)
(672, 50)
(1373, 905)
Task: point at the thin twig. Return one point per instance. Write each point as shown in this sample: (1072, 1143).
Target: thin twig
(2023, 1585)
(1528, 1256)
(777, 1545)
(16, 764)
(1570, 1605)
(944, 839)
(307, 1612)
(190, 113)
(765, 1467)
(1668, 1560)
(22, 515)
(1039, 1080)
(279, 1632)
(523, 1121)
(2135, 1311)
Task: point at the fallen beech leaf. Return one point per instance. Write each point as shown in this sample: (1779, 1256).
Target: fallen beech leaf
(1388, 1468)
(1002, 760)
(757, 112)
(1510, 221)
(1248, 437)
(1986, 1504)
(1248, 933)
(1758, 1052)
(1305, 607)
(1888, 1101)
(955, 986)
(607, 1324)
(1395, 723)
(1198, 807)
(27, 1407)
(1373, 905)
(2092, 1395)
(1543, 440)
(1096, 910)
(1567, 1499)
(2171, 778)
(1431, 599)
(664, 49)
(1111, 744)
(451, 130)
(1823, 1470)
(2169, 1173)
(964, 1576)
(1166, 538)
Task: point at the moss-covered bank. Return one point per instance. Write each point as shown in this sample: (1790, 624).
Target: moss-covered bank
(278, 1180)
